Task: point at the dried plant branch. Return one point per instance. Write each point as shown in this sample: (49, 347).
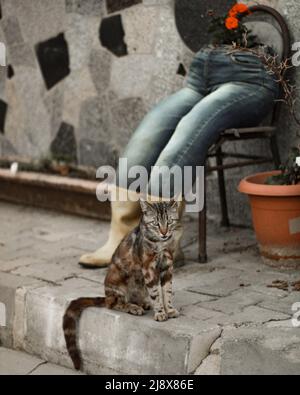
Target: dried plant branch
(279, 70)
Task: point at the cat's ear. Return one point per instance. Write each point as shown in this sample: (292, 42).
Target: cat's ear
(174, 202)
(145, 205)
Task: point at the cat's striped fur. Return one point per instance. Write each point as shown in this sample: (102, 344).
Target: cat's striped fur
(140, 273)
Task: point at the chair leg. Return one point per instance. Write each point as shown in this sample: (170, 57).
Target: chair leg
(222, 190)
(202, 233)
(275, 151)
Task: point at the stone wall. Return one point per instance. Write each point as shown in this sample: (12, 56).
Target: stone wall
(82, 74)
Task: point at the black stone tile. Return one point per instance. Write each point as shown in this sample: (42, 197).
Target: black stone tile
(53, 57)
(181, 70)
(118, 5)
(112, 35)
(64, 146)
(10, 72)
(192, 19)
(3, 112)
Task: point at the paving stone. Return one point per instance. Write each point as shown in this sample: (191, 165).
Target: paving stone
(282, 305)
(235, 302)
(216, 287)
(255, 314)
(9, 284)
(14, 264)
(48, 369)
(52, 271)
(258, 351)
(17, 363)
(185, 298)
(211, 366)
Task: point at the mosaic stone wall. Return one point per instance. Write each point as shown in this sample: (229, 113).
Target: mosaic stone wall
(82, 73)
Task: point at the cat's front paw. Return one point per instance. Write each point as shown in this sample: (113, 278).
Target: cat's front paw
(136, 310)
(173, 313)
(161, 317)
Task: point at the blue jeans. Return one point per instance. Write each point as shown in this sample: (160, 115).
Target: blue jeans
(223, 90)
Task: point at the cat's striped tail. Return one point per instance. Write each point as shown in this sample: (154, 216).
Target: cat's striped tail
(70, 321)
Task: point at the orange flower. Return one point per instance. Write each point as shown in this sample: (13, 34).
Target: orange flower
(238, 9)
(232, 23)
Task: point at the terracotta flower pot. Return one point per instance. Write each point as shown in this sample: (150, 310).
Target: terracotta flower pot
(276, 219)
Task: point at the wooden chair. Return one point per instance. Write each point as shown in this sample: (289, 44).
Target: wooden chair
(260, 132)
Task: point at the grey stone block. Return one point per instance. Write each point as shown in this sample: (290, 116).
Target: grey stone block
(132, 341)
(6, 147)
(77, 89)
(22, 55)
(94, 119)
(38, 20)
(64, 146)
(54, 103)
(126, 115)
(9, 284)
(97, 153)
(131, 75)
(85, 7)
(100, 68)
(12, 31)
(81, 33)
(141, 25)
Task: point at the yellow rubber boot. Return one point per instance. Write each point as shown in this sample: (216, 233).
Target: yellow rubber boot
(126, 216)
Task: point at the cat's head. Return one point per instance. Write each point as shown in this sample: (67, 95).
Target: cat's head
(160, 219)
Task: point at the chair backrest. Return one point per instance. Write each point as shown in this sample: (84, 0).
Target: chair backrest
(271, 28)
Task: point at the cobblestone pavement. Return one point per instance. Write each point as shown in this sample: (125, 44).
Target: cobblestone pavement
(18, 363)
(230, 298)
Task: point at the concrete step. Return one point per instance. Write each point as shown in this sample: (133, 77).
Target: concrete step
(111, 342)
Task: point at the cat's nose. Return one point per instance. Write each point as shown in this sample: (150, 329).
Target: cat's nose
(164, 231)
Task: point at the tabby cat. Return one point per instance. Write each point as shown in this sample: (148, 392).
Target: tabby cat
(141, 267)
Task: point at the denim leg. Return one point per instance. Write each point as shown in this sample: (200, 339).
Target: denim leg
(156, 129)
(231, 105)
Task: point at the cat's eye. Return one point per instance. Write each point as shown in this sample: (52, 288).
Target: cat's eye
(170, 221)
